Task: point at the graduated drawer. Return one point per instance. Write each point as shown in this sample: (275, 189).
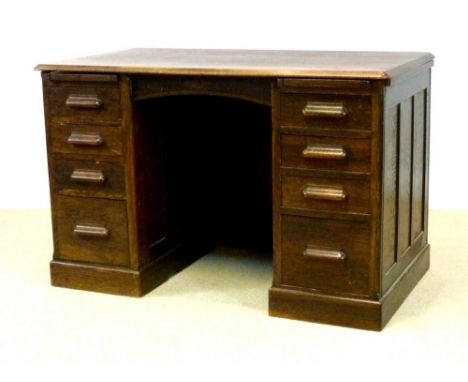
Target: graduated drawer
(333, 111)
(91, 230)
(326, 194)
(325, 153)
(89, 178)
(89, 138)
(82, 101)
(325, 254)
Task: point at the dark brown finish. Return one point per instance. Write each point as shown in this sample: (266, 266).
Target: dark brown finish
(417, 186)
(325, 308)
(86, 177)
(328, 111)
(406, 281)
(325, 153)
(73, 217)
(82, 102)
(348, 277)
(95, 277)
(86, 138)
(320, 157)
(405, 170)
(118, 280)
(81, 77)
(346, 195)
(303, 83)
(348, 311)
(249, 89)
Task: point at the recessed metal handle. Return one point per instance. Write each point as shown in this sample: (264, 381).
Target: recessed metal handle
(90, 231)
(324, 254)
(324, 152)
(83, 101)
(327, 110)
(85, 139)
(87, 176)
(324, 193)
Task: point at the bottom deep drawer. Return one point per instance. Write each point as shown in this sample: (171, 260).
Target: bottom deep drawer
(326, 254)
(91, 230)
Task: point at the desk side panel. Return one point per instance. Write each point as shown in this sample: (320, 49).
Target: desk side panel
(405, 175)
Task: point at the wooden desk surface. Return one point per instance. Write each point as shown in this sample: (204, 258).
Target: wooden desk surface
(264, 63)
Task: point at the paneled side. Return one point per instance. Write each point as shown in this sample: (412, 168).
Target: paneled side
(390, 137)
(404, 179)
(405, 169)
(417, 202)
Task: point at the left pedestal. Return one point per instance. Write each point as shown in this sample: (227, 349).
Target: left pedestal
(88, 124)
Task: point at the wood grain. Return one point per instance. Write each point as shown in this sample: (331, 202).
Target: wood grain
(349, 277)
(111, 250)
(157, 156)
(258, 63)
(405, 168)
(65, 99)
(249, 89)
(357, 153)
(357, 116)
(356, 200)
(328, 309)
(112, 185)
(404, 180)
(110, 136)
(389, 184)
(417, 194)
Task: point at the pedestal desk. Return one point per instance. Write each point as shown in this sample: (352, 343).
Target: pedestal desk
(156, 156)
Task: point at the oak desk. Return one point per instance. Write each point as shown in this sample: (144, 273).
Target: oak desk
(157, 155)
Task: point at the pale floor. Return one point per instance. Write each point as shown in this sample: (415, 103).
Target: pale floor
(216, 311)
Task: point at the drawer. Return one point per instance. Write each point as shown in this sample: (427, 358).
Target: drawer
(325, 153)
(96, 139)
(90, 102)
(310, 193)
(325, 254)
(91, 230)
(325, 111)
(89, 178)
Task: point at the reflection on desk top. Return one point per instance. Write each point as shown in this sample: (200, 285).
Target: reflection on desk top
(258, 63)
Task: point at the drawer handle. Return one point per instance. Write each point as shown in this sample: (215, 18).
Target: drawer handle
(87, 176)
(325, 193)
(320, 109)
(83, 101)
(324, 152)
(90, 231)
(85, 139)
(324, 254)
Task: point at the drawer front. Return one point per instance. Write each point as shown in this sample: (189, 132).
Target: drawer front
(341, 195)
(89, 178)
(325, 153)
(326, 254)
(73, 138)
(83, 102)
(91, 230)
(326, 111)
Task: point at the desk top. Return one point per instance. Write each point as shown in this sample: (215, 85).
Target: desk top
(258, 63)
